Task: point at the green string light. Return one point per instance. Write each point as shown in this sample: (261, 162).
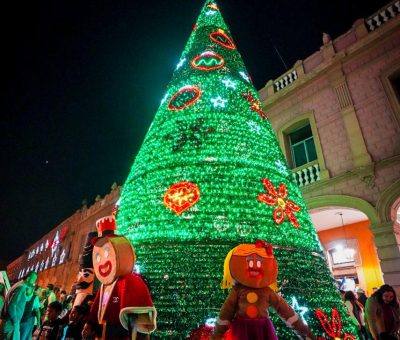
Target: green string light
(211, 131)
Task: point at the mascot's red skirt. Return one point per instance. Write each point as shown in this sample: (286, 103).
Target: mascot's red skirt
(251, 329)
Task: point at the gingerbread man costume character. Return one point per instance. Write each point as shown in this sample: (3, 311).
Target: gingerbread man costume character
(251, 269)
(123, 305)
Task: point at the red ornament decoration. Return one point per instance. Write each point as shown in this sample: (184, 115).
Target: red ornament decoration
(202, 333)
(332, 327)
(221, 38)
(267, 246)
(255, 104)
(181, 196)
(183, 98)
(208, 61)
(277, 198)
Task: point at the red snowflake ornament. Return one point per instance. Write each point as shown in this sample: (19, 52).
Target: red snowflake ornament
(255, 104)
(277, 198)
(332, 327)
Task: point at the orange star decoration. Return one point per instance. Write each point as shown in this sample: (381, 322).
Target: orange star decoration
(277, 198)
(213, 6)
(181, 196)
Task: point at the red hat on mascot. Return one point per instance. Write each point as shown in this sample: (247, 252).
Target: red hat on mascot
(106, 227)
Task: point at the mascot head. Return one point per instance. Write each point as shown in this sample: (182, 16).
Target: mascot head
(252, 265)
(113, 255)
(85, 278)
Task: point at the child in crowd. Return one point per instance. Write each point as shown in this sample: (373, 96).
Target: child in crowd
(52, 328)
(87, 333)
(77, 319)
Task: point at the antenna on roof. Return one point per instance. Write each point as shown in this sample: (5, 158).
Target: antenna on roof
(283, 62)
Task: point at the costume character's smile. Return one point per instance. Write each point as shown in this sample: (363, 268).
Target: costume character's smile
(105, 268)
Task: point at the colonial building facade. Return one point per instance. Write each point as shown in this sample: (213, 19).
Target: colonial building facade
(336, 115)
(56, 255)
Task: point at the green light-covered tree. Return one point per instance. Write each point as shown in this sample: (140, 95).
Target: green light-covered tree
(209, 176)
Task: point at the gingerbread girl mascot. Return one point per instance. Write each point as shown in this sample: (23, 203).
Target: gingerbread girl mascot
(123, 308)
(251, 269)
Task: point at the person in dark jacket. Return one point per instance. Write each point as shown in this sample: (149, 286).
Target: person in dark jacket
(77, 319)
(362, 298)
(52, 328)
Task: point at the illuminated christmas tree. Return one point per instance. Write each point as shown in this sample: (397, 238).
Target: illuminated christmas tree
(210, 175)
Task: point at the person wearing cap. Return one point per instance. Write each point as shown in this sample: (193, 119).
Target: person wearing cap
(123, 307)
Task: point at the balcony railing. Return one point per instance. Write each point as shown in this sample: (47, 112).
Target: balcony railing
(306, 174)
(285, 80)
(384, 14)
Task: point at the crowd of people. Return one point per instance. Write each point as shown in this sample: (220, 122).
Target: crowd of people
(31, 312)
(376, 317)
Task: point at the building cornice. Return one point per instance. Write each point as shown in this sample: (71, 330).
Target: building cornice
(331, 61)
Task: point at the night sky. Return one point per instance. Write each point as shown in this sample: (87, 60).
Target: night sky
(83, 80)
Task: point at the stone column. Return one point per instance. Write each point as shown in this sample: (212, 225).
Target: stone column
(360, 155)
(387, 241)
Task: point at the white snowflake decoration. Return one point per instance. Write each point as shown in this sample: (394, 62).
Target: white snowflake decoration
(254, 127)
(219, 101)
(229, 84)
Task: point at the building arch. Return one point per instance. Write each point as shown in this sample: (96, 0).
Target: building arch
(386, 200)
(344, 201)
(358, 235)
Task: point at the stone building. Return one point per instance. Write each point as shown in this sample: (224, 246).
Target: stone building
(56, 255)
(336, 115)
